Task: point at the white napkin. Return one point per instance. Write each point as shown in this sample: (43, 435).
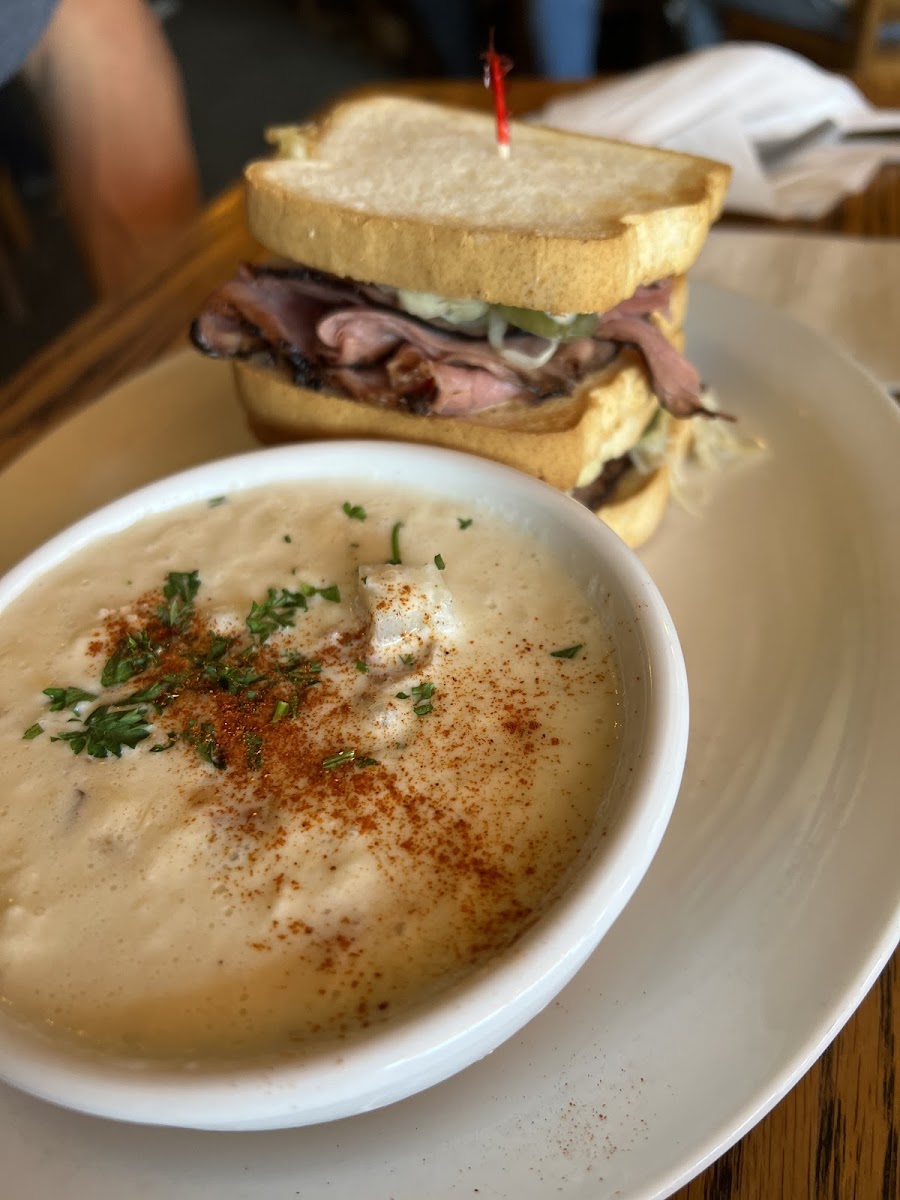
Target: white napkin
(790, 130)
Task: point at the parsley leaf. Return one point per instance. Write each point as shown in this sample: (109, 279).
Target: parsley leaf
(300, 671)
(423, 693)
(134, 654)
(395, 560)
(569, 652)
(71, 697)
(341, 759)
(439, 562)
(277, 611)
(179, 590)
(345, 757)
(354, 511)
(207, 746)
(464, 522)
(32, 732)
(107, 731)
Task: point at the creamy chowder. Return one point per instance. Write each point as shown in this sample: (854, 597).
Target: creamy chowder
(276, 767)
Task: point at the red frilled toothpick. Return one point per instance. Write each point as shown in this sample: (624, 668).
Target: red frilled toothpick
(496, 66)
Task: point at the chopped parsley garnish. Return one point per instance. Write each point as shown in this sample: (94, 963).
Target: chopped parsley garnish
(345, 757)
(362, 667)
(464, 522)
(300, 671)
(395, 560)
(421, 693)
(287, 538)
(216, 501)
(150, 694)
(71, 697)
(107, 731)
(407, 659)
(134, 654)
(439, 562)
(179, 590)
(277, 611)
(342, 759)
(569, 652)
(182, 658)
(354, 511)
(207, 745)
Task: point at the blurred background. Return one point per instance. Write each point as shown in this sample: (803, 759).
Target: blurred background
(246, 65)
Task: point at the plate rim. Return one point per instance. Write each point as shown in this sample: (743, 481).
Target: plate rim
(690, 1162)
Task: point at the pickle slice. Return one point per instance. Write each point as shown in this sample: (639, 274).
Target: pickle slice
(567, 329)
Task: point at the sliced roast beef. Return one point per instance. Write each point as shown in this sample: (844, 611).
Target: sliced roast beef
(674, 380)
(649, 298)
(334, 333)
(600, 490)
(223, 333)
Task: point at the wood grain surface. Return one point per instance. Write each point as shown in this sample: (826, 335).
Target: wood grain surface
(835, 1135)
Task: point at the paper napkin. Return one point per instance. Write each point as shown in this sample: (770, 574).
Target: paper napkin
(797, 137)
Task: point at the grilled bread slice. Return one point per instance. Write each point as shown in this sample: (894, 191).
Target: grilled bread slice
(401, 192)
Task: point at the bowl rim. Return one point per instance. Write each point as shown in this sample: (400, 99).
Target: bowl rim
(488, 1005)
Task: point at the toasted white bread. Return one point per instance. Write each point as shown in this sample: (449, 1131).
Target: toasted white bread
(564, 441)
(414, 195)
(568, 449)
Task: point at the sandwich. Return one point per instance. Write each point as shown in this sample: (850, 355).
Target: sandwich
(526, 309)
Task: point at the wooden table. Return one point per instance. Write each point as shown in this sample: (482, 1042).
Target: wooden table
(837, 1133)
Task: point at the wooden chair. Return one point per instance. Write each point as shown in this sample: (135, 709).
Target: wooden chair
(853, 47)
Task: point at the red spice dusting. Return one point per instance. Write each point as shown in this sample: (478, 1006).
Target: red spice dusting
(272, 785)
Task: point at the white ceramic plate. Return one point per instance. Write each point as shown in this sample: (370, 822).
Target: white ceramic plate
(773, 901)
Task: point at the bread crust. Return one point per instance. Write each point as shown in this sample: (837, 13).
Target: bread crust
(411, 194)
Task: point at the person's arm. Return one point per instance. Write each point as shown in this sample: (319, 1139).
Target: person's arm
(110, 91)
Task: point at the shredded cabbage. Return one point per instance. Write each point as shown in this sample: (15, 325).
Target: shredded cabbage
(651, 451)
(715, 446)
